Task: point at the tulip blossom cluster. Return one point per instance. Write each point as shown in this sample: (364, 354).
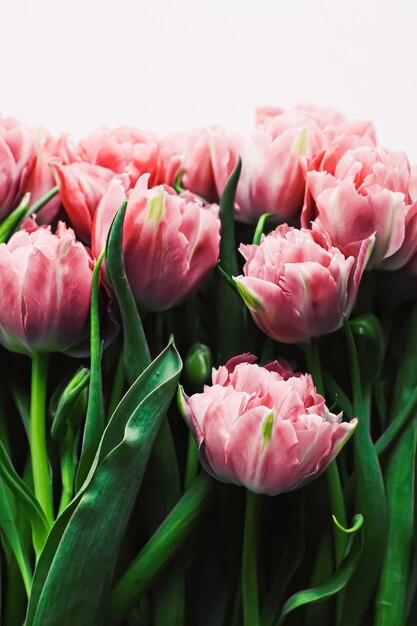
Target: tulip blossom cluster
(296, 241)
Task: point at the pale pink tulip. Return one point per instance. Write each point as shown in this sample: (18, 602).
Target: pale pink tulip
(46, 282)
(368, 193)
(123, 150)
(18, 148)
(81, 187)
(273, 172)
(297, 285)
(266, 428)
(170, 241)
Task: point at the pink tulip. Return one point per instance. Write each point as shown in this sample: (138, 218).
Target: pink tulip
(273, 173)
(123, 150)
(42, 179)
(46, 282)
(336, 124)
(297, 285)
(266, 428)
(81, 187)
(17, 159)
(170, 241)
(367, 194)
(190, 152)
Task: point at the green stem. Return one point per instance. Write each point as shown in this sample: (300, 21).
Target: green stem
(191, 467)
(332, 473)
(407, 412)
(40, 464)
(250, 594)
(160, 549)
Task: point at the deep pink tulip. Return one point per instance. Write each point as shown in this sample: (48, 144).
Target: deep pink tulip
(190, 152)
(170, 241)
(123, 150)
(18, 148)
(297, 285)
(368, 193)
(42, 179)
(81, 187)
(266, 428)
(46, 282)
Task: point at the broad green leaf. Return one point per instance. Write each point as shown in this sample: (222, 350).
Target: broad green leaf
(136, 352)
(162, 474)
(11, 536)
(336, 583)
(160, 549)
(392, 593)
(231, 312)
(94, 422)
(25, 497)
(88, 545)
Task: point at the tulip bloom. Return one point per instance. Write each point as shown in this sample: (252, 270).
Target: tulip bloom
(123, 150)
(273, 174)
(81, 187)
(297, 285)
(266, 428)
(17, 159)
(46, 282)
(369, 192)
(42, 179)
(189, 152)
(170, 241)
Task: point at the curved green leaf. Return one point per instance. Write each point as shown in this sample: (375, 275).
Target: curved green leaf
(336, 583)
(94, 422)
(231, 312)
(68, 400)
(26, 498)
(88, 545)
(136, 352)
(260, 227)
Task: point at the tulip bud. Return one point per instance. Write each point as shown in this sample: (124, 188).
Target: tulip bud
(198, 364)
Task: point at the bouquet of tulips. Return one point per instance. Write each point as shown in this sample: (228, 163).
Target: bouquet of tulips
(192, 327)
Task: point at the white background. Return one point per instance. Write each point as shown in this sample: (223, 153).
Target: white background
(168, 65)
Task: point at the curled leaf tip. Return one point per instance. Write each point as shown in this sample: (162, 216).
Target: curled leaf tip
(357, 523)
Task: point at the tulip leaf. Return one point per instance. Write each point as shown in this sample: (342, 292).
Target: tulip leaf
(260, 227)
(162, 473)
(94, 421)
(94, 523)
(336, 582)
(25, 497)
(136, 352)
(231, 312)
(370, 344)
(68, 399)
(12, 538)
(369, 496)
(392, 593)
(12, 221)
(161, 548)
